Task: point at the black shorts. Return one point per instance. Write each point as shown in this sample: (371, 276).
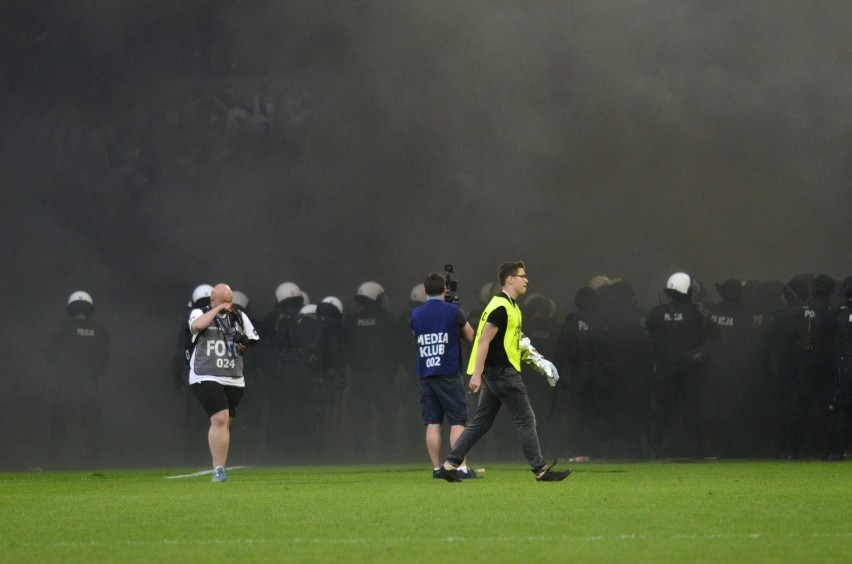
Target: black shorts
(215, 397)
(443, 395)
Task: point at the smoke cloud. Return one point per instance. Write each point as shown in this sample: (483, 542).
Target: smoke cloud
(149, 147)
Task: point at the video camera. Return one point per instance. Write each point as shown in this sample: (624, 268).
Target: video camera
(452, 295)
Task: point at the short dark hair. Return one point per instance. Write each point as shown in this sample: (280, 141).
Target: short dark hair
(509, 269)
(434, 284)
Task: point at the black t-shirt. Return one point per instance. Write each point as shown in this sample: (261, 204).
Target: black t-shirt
(497, 357)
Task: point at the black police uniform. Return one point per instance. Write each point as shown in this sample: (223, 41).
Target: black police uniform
(679, 331)
(314, 364)
(727, 374)
(369, 335)
(631, 364)
(191, 425)
(814, 378)
(582, 355)
(841, 403)
(278, 325)
(79, 351)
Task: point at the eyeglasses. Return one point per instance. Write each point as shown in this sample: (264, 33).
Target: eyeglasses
(524, 276)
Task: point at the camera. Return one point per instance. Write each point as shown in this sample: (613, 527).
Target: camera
(240, 339)
(452, 295)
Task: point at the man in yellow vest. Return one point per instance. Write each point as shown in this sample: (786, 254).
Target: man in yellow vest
(495, 370)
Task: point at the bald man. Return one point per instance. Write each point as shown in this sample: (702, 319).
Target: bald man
(221, 334)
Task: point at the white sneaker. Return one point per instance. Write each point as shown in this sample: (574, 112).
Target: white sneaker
(219, 475)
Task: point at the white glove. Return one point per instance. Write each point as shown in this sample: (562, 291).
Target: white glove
(550, 372)
(541, 364)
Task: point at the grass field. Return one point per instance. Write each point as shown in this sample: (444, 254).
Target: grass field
(631, 512)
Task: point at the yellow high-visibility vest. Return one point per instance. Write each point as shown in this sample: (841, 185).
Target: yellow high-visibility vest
(512, 337)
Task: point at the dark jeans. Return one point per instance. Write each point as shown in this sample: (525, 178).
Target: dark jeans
(501, 386)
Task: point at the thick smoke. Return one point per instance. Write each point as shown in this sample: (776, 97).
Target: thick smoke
(147, 147)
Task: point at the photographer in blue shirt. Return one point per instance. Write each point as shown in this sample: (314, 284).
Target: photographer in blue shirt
(439, 327)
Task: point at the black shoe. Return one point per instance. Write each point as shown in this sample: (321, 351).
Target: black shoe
(553, 476)
(468, 475)
(448, 475)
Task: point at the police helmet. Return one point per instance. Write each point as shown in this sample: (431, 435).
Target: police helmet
(306, 299)
(823, 285)
(308, 309)
(679, 283)
(587, 299)
(798, 289)
(240, 300)
(80, 302)
(369, 292)
(539, 305)
(846, 287)
(418, 294)
(598, 281)
(488, 291)
(731, 290)
(201, 291)
(621, 290)
(287, 290)
(699, 291)
(335, 302)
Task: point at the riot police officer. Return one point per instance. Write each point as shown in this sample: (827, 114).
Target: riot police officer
(191, 426)
(679, 330)
(762, 301)
(542, 326)
(406, 380)
(278, 324)
(253, 425)
(631, 366)
(276, 328)
(841, 404)
(582, 355)
(727, 371)
(313, 363)
(79, 351)
(779, 356)
(815, 372)
(371, 359)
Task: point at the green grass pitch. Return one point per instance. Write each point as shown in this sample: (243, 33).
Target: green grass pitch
(631, 512)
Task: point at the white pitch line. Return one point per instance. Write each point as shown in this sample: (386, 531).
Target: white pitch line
(202, 473)
(424, 540)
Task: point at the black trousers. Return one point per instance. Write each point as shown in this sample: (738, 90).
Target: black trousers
(813, 390)
(678, 387)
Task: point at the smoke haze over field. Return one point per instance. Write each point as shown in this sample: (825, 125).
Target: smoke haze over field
(599, 137)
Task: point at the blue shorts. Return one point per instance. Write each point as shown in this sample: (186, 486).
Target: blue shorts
(443, 395)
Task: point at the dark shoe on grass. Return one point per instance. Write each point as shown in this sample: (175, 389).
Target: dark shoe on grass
(550, 475)
(448, 475)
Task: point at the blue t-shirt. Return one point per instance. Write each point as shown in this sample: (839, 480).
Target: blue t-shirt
(436, 325)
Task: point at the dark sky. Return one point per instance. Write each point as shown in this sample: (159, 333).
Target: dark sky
(631, 139)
